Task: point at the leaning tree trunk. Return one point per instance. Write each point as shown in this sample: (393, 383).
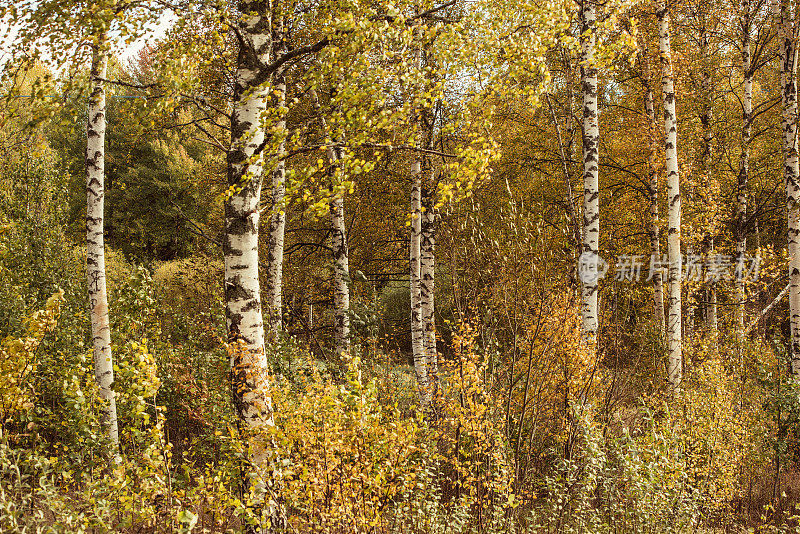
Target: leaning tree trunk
(652, 189)
(95, 245)
(788, 53)
(674, 340)
(591, 193)
(415, 252)
(240, 248)
(341, 267)
(427, 302)
(744, 168)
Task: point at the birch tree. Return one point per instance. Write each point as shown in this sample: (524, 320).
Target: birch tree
(674, 339)
(256, 31)
(95, 245)
(66, 31)
(427, 280)
(706, 159)
(420, 248)
(277, 221)
(652, 190)
(341, 268)
(791, 173)
(415, 270)
(591, 192)
(742, 178)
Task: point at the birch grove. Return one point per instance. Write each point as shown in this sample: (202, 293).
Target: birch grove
(344, 275)
(675, 273)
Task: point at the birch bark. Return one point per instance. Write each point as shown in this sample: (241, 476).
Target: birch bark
(674, 340)
(788, 54)
(244, 319)
(277, 228)
(341, 276)
(706, 162)
(591, 193)
(95, 244)
(744, 164)
(341, 265)
(427, 302)
(417, 329)
(652, 190)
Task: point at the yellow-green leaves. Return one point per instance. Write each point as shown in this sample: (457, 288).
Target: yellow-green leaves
(19, 357)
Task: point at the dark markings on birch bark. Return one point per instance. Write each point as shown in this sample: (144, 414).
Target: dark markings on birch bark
(591, 191)
(95, 246)
(244, 321)
(341, 262)
(788, 55)
(674, 334)
(427, 281)
(652, 182)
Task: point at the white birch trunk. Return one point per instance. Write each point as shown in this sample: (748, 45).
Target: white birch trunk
(706, 163)
(674, 340)
(277, 228)
(417, 328)
(341, 277)
(427, 301)
(341, 265)
(712, 308)
(788, 56)
(744, 166)
(244, 319)
(591, 192)
(652, 170)
(95, 244)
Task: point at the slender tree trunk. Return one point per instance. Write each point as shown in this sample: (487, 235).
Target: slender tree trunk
(786, 35)
(277, 228)
(652, 170)
(712, 308)
(706, 118)
(341, 267)
(277, 222)
(744, 166)
(240, 247)
(95, 245)
(674, 339)
(591, 192)
(341, 277)
(427, 301)
(421, 165)
(417, 328)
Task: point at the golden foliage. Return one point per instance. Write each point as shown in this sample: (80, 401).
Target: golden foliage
(19, 356)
